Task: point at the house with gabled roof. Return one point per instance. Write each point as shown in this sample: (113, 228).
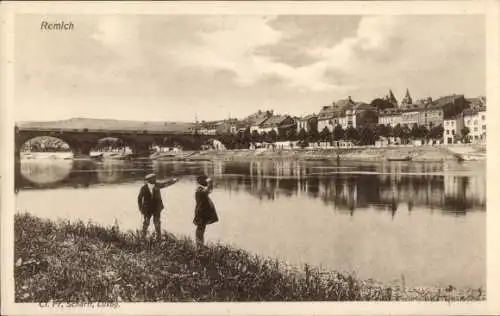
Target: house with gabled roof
(256, 119)
(278, 123)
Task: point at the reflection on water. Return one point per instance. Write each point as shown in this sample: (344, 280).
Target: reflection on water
(379, 220)
(455, 188)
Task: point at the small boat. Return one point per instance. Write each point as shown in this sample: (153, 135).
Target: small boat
(459, 158)
(98, 157)
(407, 158)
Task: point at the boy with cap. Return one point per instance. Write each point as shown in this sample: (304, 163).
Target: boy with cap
(204, 213)
(150, 202)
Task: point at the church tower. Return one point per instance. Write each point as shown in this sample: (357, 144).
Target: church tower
(407, 100)
(392, 99)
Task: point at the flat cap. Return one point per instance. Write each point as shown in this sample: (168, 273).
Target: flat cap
(150, 176)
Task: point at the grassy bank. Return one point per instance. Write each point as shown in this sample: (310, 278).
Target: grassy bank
(77, 262)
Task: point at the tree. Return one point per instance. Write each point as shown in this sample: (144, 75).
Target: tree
(465, 134)
(415, 131)
(338, 132)
(436, 132)
(325, 134)
(273, 136)
(256, 136)
(423, 131)
(247, 136)
(367, 136)
(312, 131)
(351, 134)
(287, 133)
(381, 131)
(389, 130)
(406, 132)
(302, 134)
(398, 131)
(264, 137)
(313, 135)
(381, 104)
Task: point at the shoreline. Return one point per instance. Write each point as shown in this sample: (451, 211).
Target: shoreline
(359, 154)
(119, 266)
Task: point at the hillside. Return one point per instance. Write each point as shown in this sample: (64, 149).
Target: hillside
(109, 125)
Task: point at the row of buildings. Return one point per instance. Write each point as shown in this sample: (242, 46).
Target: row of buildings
(455, 113)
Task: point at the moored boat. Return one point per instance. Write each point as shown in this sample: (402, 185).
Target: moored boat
(407, 158)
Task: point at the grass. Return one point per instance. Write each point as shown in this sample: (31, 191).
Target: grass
(84, 262)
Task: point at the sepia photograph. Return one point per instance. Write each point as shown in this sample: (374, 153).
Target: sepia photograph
(264, 157)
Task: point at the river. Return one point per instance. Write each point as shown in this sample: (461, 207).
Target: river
(425, 222)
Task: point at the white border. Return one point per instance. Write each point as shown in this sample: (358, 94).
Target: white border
(490, 8)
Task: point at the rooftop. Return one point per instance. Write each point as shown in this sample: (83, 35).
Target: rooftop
(274, 120)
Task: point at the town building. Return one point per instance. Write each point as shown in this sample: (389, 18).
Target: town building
(255, 120)
(346, 113)
(451, 106)
(207, 128)
(475, 121)
(452, 129)
(425, 112)
(281, 124)
(307, 123)
(329, 117)
(410, 116)
(358, 115)
(391, 117)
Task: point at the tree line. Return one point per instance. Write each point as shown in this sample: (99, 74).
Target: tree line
(366, 135)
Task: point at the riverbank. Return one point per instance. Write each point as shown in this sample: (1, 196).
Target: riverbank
(77, 262)
(417, 154)
(413, 153)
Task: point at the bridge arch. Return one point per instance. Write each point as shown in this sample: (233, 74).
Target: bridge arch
(46, 146)
(113, 144)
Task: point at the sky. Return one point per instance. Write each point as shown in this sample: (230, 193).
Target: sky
(178, 68)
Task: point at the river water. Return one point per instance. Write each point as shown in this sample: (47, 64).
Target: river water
(425, 222)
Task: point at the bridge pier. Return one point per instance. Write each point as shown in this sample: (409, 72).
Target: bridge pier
(141, 149)
(82, 149)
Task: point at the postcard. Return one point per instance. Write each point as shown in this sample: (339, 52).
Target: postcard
(250, 158)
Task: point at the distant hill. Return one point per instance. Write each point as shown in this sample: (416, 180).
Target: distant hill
(108, 125)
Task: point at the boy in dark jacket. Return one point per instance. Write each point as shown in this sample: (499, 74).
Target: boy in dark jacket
(150, 202)
(204, 213)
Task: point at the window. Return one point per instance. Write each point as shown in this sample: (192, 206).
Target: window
(483, 117)
(447, 132)
(452, 132)
(475, 129)
(484, 127)
(475, 122)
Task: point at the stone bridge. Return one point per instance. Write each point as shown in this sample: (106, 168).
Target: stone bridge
(83, 134)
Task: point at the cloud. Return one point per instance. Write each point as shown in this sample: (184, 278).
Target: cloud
(380, 46)
(235, 46)
(290, 63)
